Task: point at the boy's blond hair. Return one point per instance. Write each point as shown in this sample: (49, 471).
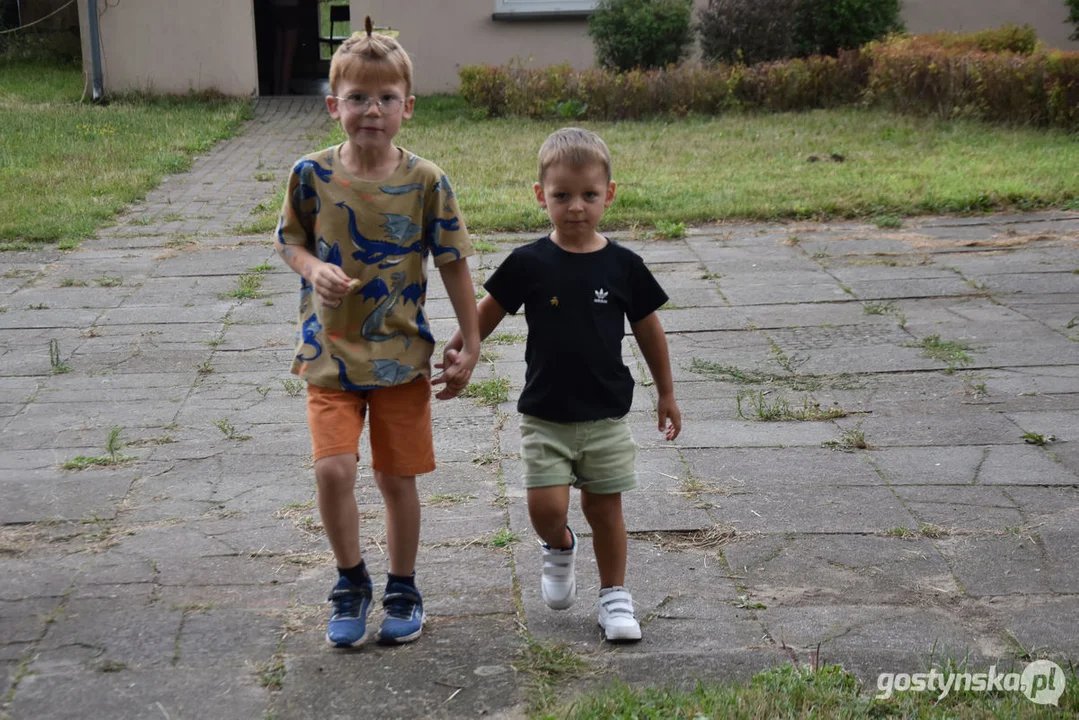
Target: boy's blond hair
(371, 55)
(574, 146)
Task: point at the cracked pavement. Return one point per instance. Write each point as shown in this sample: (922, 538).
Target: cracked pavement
(183, 572)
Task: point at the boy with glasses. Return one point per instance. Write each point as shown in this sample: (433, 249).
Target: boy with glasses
(358, 223)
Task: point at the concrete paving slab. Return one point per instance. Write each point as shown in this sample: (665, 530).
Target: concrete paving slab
(947, 531)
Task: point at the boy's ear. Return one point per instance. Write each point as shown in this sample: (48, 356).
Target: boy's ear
(408, 107)
(332, 106)
(610, 195)
(540, 197)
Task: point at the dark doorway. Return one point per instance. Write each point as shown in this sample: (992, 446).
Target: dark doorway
(291, 29)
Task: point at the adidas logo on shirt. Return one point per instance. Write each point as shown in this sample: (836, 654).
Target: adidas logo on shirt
(601, 296)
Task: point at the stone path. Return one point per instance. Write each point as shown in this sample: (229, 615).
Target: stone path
(190, 580)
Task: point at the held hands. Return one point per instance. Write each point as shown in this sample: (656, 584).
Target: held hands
(456, 369)
(667, 410)
(331, 284)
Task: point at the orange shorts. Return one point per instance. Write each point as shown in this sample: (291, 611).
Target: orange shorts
(401, 440)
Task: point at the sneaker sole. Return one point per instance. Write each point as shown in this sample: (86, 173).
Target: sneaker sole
(345, 646)
(404, 638)
(626, 635)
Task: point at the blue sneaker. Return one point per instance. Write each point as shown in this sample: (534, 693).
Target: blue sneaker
(404, 615)
(348, 623)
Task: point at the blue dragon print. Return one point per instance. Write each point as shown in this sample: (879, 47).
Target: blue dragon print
(400, 227)
(371, 251)
(329, 254)
(422, 326)
(391, 371)
(372, 326)
(434, 231)
(402, 189)
(311, 328)
(342, 376)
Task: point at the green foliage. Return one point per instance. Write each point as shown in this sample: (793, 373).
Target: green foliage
(1007, 38)
(670, 230)
(58, 366)
(640, 33)
(940, 75)
(1073, 16)
(828, 26)
(747, 31)
(70, 166)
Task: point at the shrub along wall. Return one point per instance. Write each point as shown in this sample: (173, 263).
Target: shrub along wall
(945, 76)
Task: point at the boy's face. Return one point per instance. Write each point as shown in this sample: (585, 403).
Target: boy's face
(575, 198)
(371, 110)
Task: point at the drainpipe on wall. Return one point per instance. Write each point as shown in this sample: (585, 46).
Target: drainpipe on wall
(97, 82)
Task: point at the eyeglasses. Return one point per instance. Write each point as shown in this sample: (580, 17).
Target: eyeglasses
(361, 103)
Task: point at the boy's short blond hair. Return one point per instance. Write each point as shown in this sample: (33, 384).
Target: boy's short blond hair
(369, 55)
(574, 146)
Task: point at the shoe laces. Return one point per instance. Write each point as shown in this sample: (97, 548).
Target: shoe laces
(401, 602)
(348, 602)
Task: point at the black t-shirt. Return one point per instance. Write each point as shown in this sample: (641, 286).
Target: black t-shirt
(575, 305)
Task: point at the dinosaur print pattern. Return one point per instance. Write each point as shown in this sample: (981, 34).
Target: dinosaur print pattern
(381, 235)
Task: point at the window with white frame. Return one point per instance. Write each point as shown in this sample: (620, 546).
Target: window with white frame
(545, 7)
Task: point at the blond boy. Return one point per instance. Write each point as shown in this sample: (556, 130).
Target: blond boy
(578, 288)
(358, 223)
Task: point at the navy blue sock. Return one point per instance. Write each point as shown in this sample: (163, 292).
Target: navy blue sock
(409, 580)
(356, 575)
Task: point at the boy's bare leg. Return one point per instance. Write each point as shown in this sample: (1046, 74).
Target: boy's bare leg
(548, 508)
(335, 478)
(402, 520)
(604, 514)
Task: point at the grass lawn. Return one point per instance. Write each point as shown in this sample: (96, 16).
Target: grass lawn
(756, 166)
(788, 692)
(66, 167)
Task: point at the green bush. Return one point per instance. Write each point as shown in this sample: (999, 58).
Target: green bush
(747, 31)
(646, 34)
(827, 26)
(1007, 38)
(907, 75)
(1073, 16)
(1039, 89)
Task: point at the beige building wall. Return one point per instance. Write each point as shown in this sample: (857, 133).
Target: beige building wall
(440, 39)
(166, 46)
(1046, 16)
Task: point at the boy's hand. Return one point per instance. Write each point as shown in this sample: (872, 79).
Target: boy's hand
(330, 283)
(456, 372)
(667, 409)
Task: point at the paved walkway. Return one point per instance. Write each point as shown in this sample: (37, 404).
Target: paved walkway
(190, 581)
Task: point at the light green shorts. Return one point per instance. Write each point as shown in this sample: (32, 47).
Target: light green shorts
(596, 455)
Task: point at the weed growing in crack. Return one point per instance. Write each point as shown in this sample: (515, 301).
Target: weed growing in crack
(849, 441)
(488, 392)
(505, 339)
(501, 538)
(779, 409)
(57, 366)
(229, 430)
(952, 352)
(878, 308)
(547, 665)
(114, 446)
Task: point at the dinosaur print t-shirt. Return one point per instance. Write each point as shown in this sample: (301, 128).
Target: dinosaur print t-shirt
(380, 234)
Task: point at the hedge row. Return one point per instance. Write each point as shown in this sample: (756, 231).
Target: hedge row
(907, 75)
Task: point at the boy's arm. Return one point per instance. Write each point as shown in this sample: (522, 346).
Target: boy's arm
(458, 282)
(490, 315)
(329, 281)
(653, 343)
